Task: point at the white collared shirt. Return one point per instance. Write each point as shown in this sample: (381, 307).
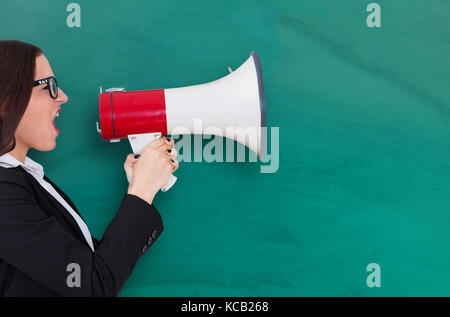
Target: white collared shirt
(37, 171)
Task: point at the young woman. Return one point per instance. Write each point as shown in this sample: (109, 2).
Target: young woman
(46, 248)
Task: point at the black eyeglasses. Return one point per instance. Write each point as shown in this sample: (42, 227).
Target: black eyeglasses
(52, 85)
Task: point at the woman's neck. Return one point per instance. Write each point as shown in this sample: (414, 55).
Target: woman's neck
(19, 152)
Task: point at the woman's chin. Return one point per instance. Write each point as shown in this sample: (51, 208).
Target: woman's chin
(46, 147)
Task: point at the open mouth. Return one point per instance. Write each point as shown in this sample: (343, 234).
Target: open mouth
(53, 122)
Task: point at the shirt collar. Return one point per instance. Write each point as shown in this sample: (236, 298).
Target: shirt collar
(9, 161)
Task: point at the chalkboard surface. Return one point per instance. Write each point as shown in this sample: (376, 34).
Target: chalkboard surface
(364, 140)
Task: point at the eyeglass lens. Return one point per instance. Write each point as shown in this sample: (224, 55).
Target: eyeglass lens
(53, 88)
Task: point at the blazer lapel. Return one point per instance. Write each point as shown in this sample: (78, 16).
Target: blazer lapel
(65, 212)
(61, 209)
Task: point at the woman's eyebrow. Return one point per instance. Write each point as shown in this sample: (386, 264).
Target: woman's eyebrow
(44, 77)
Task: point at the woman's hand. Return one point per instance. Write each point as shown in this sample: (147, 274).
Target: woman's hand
(148, 173)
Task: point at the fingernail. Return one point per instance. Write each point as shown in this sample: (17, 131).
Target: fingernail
(137, 156)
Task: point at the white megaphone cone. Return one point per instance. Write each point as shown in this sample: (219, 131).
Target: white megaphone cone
(236, 100)
(234, 105)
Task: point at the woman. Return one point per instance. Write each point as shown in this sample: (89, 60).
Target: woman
(45, 247)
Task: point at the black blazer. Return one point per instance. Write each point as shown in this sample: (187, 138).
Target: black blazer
(39, 239)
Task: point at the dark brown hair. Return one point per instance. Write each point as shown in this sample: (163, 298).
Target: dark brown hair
(17, 70)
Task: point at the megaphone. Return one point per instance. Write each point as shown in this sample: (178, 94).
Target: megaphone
(236, 100)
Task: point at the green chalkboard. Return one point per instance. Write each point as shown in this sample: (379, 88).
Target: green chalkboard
(364, 140)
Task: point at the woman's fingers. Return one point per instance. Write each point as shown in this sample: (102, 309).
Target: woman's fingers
(161, 143)
(158, 143)
(167, 146)
(174, 165)
(166, 141)
(172, 153)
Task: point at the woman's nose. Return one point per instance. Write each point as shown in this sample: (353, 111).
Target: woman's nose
(62, 97)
